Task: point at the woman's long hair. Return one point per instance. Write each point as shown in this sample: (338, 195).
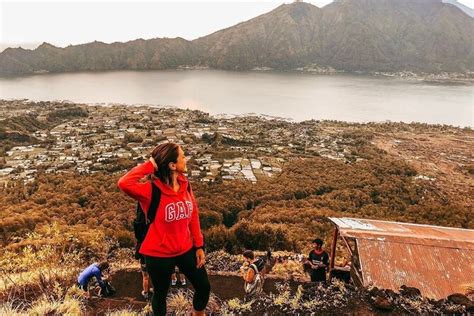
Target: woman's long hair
(164, 154)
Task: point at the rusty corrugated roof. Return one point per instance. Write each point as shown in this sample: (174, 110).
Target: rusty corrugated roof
(437, 260)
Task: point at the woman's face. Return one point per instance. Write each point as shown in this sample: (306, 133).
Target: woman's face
(180, 165)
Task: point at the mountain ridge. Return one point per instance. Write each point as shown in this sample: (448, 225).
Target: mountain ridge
(461, 6)
(348, 35)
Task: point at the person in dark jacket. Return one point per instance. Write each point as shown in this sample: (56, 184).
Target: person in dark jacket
(174, 237)
(318, 259)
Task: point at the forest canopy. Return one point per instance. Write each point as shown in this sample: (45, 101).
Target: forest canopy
(283, 212)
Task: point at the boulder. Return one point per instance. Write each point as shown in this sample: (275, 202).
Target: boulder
(460, 299)
(383, 303)
(390, 293)
(376, 292)
(409, 291)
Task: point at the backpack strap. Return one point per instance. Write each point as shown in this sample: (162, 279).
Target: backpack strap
(254, 267)
(155, 202)
(189, 187)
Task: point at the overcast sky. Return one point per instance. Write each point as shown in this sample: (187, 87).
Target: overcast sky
(75, 22)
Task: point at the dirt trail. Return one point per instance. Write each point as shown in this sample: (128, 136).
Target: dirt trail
(327, 300)
(128, 284)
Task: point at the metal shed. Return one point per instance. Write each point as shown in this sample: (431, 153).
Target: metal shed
(436, 260)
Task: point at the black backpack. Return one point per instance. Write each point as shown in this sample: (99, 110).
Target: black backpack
(259, 263)
(142, 222)
(107, 290)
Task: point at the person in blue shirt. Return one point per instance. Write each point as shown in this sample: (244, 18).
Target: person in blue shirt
(94, 270)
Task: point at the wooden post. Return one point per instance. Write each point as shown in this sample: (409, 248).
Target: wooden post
(333, 249)
(347, 245)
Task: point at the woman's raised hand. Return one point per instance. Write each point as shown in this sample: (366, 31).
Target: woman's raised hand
(154, 163)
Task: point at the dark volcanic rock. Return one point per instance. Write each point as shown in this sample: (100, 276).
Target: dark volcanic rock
(460, 299)
(410, 291)
(383, 303)
(376, 292)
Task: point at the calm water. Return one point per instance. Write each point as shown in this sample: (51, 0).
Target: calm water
(296, 96)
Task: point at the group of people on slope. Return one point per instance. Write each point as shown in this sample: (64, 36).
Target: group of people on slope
(255, 268)
(173, 237)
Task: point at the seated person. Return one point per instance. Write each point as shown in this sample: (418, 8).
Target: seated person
(251, 273)
(174, 277)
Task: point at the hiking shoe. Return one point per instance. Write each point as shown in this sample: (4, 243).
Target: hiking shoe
(173, 282)
(146, 295)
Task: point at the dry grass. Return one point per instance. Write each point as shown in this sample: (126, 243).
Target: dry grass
(122, 259)
(282, 298)
(50, 255)
(180, 303)
(236, 306)
(289, 269)
(56, 301)
(39, 278)
(126, 312)
(7, 308)
(296, 300)
(49, 306)
(35, 274)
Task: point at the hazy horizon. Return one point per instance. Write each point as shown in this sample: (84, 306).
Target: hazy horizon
(109, 21)
(28, 24)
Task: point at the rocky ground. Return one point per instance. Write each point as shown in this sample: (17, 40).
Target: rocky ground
(282, 294)
(283, 297)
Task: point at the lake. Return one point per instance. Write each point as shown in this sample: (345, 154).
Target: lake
(289, 95)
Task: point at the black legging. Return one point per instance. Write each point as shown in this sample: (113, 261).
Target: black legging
(160, 270)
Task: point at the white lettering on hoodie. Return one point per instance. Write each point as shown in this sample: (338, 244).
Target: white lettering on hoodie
(176, 211)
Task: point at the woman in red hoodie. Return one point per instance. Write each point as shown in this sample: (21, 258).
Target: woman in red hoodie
(174, 237)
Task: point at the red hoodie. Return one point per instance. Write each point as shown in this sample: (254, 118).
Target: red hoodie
(176, 226)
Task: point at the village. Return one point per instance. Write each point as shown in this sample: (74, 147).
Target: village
(80, 139)
(111, 136)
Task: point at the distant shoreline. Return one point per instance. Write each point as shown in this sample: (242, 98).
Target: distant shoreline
(443, 78)
(243, 115)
